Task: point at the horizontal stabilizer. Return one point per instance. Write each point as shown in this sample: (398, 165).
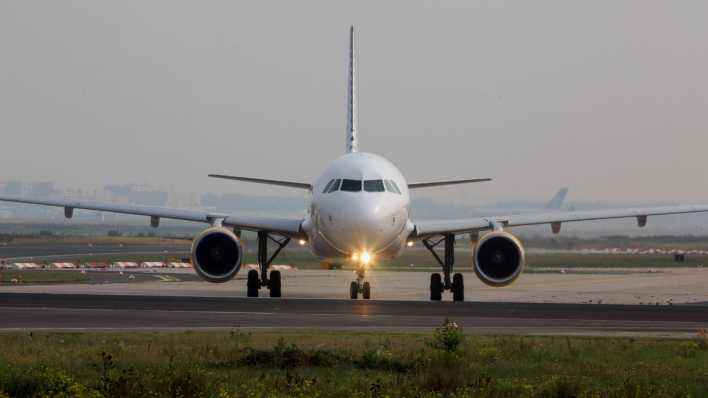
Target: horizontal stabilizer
(448, 182)
(282, 183)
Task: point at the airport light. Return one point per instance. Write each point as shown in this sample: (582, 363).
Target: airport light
(302, 242)
(410, 243)
(355, 256)
(365, 257)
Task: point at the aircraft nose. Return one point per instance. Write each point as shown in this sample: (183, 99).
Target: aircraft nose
(368, 226)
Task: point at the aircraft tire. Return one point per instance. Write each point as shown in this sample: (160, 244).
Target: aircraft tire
(366, 294)
(274, 284)
(353, 290)
(458, 287)
(436, 287)
(252, 284)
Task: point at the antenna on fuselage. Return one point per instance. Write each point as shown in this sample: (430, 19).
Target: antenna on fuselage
(352, 139)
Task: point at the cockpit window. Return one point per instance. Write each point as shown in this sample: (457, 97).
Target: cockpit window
(395, 186)
(334, 186)
(389, 187)
(392, 187)
(328, 186)
(351, 185)
(374, 186)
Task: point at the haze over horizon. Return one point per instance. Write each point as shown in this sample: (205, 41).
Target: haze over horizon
(608, 98)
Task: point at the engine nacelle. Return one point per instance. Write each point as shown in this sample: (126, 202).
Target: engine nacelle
(499, 258)
(216, 254)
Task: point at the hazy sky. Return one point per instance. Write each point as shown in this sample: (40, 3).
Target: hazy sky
(607, 97)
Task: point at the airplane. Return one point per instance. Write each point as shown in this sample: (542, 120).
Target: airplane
(360, 212)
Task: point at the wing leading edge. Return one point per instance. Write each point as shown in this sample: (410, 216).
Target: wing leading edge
(282, 183)
(446, 182)
(290, 227)
(459, 226)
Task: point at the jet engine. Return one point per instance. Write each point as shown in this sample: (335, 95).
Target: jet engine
(499, 258)
(216, 254)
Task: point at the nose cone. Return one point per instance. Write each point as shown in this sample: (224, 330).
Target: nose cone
(365, 225)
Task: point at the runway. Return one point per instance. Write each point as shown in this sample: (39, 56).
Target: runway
(23, 311)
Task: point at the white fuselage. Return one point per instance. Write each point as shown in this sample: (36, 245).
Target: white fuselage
(346, 221)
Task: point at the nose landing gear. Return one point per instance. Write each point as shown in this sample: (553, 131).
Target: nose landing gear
(254, 283)
(439, 284)
(359, 286)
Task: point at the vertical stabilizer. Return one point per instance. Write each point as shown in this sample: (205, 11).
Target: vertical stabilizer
(352, 139)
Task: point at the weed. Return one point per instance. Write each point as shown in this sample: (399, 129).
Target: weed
(447, 337)
(702, 339)
(689, 348)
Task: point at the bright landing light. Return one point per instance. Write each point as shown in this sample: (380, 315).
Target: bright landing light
(365, 257)
(302, 242)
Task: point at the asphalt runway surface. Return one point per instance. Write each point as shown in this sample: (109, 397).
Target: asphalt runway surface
(27, 311)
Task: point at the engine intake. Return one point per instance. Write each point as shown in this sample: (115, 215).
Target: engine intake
(216, 254)
(499, 258)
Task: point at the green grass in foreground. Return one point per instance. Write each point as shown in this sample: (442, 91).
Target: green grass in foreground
(319, 364)
(41, 277)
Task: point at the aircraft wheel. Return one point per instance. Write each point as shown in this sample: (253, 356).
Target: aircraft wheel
(274, 284)
(367, 291)
(436, 287)
(458, 287)
(252, 284)
(353, 290)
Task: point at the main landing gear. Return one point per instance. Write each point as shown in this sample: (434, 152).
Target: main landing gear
(439, 284)
(254, 283)
(359, 286)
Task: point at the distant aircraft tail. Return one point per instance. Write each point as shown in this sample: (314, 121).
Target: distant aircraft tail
(556, 201)
(352, 139)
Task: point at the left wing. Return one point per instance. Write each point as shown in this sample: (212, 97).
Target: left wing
(459, 226)
(289, 227)
(282, 183)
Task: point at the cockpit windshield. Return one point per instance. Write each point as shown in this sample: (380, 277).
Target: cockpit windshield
(374, 186)
(351, 185)
(356, 186)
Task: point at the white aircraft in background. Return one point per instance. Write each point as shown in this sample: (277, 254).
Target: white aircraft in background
(360, 212)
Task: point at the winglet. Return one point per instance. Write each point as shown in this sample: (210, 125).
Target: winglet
(556, 201)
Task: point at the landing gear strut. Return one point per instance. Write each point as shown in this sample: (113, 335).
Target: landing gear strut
(439, 284)
(359, 286)
(254, 283)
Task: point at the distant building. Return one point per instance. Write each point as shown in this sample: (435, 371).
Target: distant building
(135, 195)
(13, 188)
(41, 189)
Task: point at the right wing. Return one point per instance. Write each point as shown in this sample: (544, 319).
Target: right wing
(446, 182)
(289, 227)
(290, 184)
(465, 225)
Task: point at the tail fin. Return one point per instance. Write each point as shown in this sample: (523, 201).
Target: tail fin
(557, 201)
(352, 139)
